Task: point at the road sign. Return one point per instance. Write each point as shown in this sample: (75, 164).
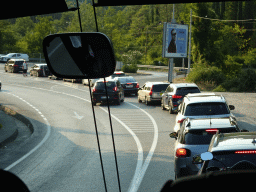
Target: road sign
(175, 40)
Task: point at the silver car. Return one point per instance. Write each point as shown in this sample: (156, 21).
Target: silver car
(152, 92)
(194, 138)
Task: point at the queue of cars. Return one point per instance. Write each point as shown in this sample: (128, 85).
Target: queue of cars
(206, 132)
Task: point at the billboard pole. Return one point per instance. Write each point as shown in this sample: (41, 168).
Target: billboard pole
(189, 52)
(170, 73)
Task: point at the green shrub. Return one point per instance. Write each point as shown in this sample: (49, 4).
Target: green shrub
(207, 74)
(220, 88)
(244, 82)
(247, 79)
(132, 68)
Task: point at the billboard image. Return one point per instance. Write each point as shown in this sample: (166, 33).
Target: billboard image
(175, 38)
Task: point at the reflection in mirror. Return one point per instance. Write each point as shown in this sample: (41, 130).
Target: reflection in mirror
(173, 135)
(206, 156)
(197, 159)
(79, 55)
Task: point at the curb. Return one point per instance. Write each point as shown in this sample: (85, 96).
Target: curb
(19, 117)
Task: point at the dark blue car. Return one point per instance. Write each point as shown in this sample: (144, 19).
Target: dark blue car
(174, 94)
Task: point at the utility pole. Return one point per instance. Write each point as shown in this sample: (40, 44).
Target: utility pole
(170, 73)
(189, 49)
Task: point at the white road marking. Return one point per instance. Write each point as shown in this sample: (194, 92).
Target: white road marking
(140, 167)
(41, 143)
(78, 116)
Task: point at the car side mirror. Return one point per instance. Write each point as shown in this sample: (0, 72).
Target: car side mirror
(231, 107)
(173, 135)
(197, 159)
(79, 55)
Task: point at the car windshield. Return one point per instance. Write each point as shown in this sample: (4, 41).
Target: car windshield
(101, 85)
(185, 90)
(203, 137)
(215, 108)
(48, 131)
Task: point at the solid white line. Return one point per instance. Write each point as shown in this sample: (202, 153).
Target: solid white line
(139, 176)
(139, 146)
(140, 168)
(40, 144)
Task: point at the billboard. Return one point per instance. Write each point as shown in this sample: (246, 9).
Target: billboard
(175, 40)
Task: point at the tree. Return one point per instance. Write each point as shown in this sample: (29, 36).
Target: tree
(42, 29)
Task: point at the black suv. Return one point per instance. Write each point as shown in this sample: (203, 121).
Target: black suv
(174, 94)
(129, 84)
(15, 65)
(114, 90)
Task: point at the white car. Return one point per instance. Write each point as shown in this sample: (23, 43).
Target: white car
(202, 105)
(9, 56)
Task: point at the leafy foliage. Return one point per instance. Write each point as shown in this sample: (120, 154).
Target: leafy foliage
(219, 50)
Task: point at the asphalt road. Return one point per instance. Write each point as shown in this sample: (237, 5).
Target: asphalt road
(62, 153)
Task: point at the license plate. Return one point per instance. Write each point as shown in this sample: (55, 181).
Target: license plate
(156, 95)
(129, 86)
(104, 97)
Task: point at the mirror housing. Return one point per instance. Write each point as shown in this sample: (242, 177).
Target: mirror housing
(206, 156)
(79, 55)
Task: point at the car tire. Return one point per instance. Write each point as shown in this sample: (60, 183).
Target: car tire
(146, 101)
(118, 101)
(139, 100)
(170, 109)
(162, 105)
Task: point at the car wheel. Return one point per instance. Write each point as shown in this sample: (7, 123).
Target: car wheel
(162, 105)
(146, 101)
(170, 109)
(118, 101)
(139, 99)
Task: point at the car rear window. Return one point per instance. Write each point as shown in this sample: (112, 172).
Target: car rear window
(185, 90)
(229, 159)
(19, 62)
(198, 109)
(100, 85)
(127, 80)
(160, 87)
(202, 137)
(118, 75)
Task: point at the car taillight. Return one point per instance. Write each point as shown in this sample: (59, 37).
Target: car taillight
(94, 90)
(181, 121)
(176, 96)
(182, 152)
(15, 66)
(246, 152)
(151, 90)
(211, 131)
(137, 86)
(115, 89)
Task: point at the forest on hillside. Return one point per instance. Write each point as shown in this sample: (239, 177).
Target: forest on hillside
(223, 34)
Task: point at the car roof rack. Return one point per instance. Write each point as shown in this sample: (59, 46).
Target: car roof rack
(203, 95)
